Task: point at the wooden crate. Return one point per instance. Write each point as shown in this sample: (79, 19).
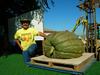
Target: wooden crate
(65, 64)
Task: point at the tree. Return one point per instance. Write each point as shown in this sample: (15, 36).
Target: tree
(11, 8)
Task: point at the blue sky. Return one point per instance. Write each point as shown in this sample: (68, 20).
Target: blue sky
(63, 16)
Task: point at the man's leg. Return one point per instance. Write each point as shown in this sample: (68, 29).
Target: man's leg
(26, 57)
(32, 49)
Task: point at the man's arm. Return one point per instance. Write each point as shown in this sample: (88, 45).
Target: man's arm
(17, 41)
(42, 34)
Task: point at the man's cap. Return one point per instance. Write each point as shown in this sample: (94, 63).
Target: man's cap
(25, 21)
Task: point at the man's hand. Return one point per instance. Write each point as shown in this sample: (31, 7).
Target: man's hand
(18, 43)
(42, 34)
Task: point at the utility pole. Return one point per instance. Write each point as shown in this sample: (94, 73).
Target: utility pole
(89, 7)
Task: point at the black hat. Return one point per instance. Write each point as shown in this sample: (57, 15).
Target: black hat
(25, 21)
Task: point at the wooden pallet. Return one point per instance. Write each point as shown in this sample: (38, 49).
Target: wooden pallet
(66, 64)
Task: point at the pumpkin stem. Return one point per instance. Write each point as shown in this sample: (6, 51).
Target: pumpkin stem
(51, 51)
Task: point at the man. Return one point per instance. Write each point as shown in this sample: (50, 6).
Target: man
(24, 37)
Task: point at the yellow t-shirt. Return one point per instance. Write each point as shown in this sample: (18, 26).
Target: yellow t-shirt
(26, 37)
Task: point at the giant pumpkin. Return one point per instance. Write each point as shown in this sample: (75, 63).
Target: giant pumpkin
(63, 45)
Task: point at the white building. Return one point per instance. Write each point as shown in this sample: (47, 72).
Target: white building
(36, 18)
